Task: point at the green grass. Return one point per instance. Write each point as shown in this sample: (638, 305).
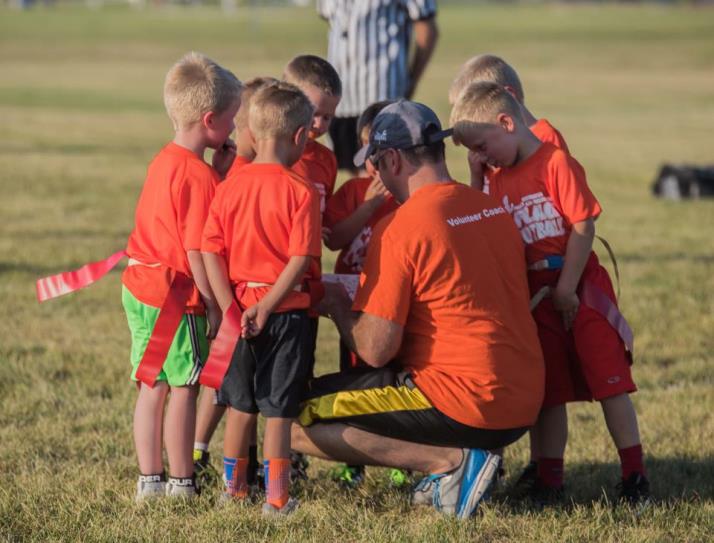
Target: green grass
(81, 116)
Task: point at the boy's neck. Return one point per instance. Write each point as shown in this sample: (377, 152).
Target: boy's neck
(528, 144)
(528, 116)
(273, 151)
(191, 139)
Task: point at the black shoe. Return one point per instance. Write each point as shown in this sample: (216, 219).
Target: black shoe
(204, 472)
(542, 496)
(526, 483)
(298, 467)
(635, 490)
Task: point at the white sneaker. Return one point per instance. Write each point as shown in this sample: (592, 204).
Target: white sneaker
(150, 487)
(460, 492)
(181, 487)
(289, 508)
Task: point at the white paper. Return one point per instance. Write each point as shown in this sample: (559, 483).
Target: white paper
(350, 282)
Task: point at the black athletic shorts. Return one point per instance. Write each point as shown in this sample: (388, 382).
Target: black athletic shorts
(345, 144)
(388, 403)
(268, 373)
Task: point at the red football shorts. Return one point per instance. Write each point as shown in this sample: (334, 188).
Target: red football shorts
(590, 361)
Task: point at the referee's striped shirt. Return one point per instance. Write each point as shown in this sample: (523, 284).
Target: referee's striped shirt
(368, 45)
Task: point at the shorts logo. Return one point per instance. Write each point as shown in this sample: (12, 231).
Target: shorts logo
(613, 380)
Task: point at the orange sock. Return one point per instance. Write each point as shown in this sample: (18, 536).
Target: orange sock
(236, 470)
(277, 481)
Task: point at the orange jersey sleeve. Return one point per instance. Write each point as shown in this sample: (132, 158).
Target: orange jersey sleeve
(568, 187)
(547, 133)
(318, 166)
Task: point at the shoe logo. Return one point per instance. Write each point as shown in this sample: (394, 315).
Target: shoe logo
(613, 380)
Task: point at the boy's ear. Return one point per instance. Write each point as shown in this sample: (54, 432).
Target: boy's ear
(208, 119)
(506, 122)
(299, 134)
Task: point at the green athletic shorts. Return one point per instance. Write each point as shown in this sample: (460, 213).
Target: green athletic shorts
(188, 351)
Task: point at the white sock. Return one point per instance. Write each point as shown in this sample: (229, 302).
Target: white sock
(199, 446)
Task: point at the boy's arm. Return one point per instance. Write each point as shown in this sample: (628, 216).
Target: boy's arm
(217, 274)
(255, 317)
(213, 313)
(580, 244)
(477, 168)
(347, 229)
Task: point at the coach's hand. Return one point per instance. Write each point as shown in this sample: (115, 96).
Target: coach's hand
(253, 320)
(335, 297)
(567, 303)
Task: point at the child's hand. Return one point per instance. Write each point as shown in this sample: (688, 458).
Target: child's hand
(214, 316)
(253, 321)
(477, 166)
(567, 303)
(376, 190)
(223, 158)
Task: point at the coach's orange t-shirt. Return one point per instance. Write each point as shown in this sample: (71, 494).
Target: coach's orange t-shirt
(318, 165)
(547, 133)
(545, 194)
(448, 265)
(343, 203)
(169, 220)
(238, 162)
(259, 219)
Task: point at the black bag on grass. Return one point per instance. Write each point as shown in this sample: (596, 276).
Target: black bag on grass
(680, 182)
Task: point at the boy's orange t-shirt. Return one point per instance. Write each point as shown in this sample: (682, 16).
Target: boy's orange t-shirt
(318, 165)
(169, 221)
(448, 266)
(258, 220)
(545, 194)
(238, 162)
(547, 133)
(343, 203)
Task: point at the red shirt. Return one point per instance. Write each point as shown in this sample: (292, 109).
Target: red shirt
(318, 165)
(259, 219)
(343, 203)
(169, 220)
(449, 267)
(547, 133)
(545, 194)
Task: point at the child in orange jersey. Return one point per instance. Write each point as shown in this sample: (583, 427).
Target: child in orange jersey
(260, 245)
(585, 340)
(210, 411)
(319, 81)
(201, 99)
(496, 70)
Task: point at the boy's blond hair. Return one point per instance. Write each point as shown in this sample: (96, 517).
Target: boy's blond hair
(249, 90)
(364, 123)
(483, 102)
(196, 85)
(486, 68)
(277, 110)
(313, 70)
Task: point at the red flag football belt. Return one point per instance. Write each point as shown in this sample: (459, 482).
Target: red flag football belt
(170, 314)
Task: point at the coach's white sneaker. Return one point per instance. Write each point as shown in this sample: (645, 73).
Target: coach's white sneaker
(150, 487)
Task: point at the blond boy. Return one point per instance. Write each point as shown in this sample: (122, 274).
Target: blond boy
(201, 99)
(260, 246)
(210, 411)
(586, 342)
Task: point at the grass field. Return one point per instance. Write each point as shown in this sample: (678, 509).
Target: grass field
(81, 115)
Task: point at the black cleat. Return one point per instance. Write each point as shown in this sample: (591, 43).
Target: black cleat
(526, 483)
(635, 490)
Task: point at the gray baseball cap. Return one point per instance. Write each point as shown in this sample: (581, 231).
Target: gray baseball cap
(402, 125)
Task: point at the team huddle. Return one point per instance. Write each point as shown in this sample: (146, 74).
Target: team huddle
(481, 310)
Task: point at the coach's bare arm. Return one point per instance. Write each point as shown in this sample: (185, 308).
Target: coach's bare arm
(374, 339)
